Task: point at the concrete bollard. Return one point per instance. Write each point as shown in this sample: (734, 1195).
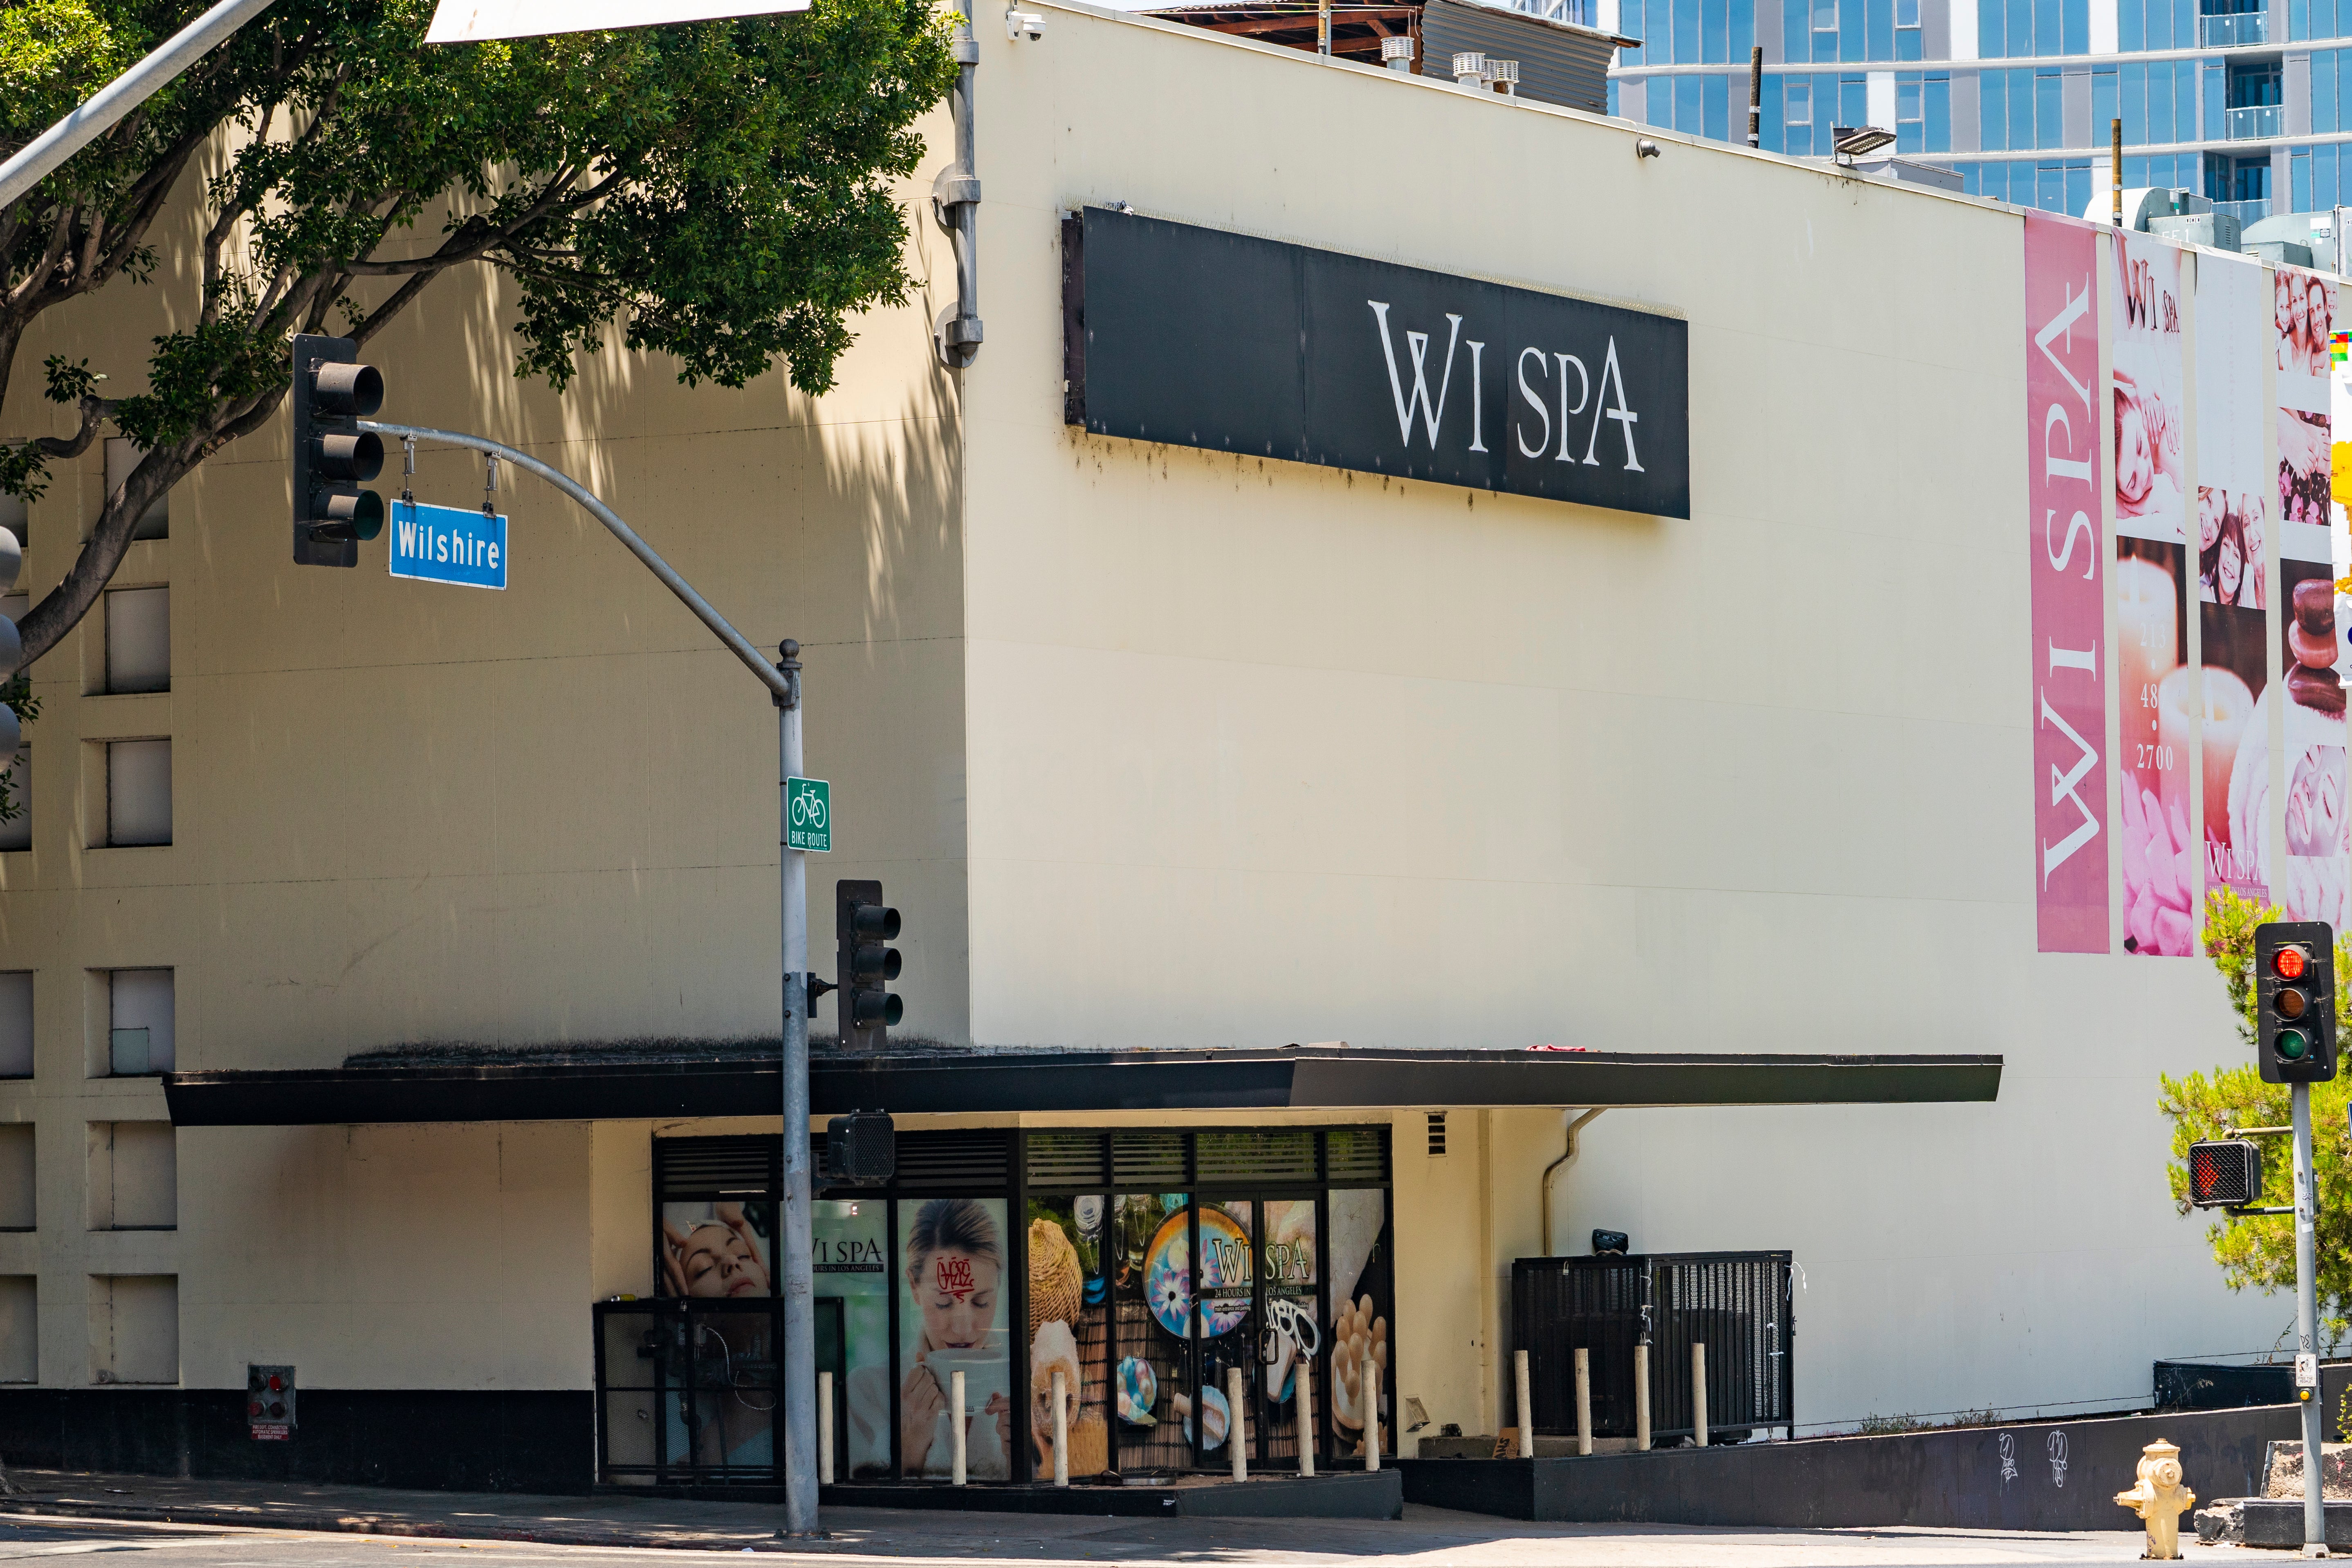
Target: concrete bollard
(955, 1425)
(1307, 1419)
(1061, 1427)
(1584, 1403)
(1236, 1433)
(2159, 1498)
(1641, 1397)
(1526, 1409)
(824, 1429)
(1698, 1393)
(1372, 1413)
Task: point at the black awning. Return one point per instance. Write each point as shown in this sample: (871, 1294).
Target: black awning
(581, 1086)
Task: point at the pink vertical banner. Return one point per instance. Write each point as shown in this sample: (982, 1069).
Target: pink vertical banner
(2063, 435)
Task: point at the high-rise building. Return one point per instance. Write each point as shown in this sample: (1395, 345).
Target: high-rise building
(2236, 100)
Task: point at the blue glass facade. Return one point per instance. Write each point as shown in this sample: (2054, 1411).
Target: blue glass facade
(2011, 95)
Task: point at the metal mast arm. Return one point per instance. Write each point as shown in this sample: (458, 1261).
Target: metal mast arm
(774, 679)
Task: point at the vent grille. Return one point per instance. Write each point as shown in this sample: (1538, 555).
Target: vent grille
(1068, 1161)
(956, 1162)
(1153, 1160)
(711, 1167)
(1436, 1133)
(1272, 1156)
(1357, 1156)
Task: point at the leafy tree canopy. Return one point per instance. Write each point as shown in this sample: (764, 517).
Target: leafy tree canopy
(2258, 1251)
(720, 191)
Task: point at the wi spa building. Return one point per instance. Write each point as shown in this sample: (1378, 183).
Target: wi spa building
(1620, 698)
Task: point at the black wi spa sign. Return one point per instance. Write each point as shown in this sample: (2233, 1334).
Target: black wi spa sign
(1199, 338)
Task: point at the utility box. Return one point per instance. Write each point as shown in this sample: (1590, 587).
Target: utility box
(2216, 231)
(269, 1403)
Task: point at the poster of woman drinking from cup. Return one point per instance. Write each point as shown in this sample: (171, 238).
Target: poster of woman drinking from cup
(952, 1318)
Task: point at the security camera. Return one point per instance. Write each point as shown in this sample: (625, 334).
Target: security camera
(1023, 25)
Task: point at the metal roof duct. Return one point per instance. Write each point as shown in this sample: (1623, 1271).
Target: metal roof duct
(1559, 62)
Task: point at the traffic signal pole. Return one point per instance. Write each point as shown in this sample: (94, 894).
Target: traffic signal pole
(783, 683)
(2306, 1325)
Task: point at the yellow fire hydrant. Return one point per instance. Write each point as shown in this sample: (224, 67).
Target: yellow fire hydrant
(2159, 1499)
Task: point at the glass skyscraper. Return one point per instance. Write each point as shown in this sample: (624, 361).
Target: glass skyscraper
(2245, 102)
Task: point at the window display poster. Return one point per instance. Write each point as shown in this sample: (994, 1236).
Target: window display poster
(849, 1251)
(2235, 300)
(2160, 881)
(2063, 450)
(1069, 1332)
(952, 1318)
(1291, 1338)
(716, 1248)
(1150, 1264)
(1361, 1299)
(720, 1250)
(2311, 879)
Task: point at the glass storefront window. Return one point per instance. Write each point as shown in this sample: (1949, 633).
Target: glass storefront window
(1069, 1330)
(1361, 1298)
(952, 1318)
(850, 1249)
(1152, 1297)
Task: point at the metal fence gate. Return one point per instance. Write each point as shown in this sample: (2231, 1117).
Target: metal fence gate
(1738, 1304)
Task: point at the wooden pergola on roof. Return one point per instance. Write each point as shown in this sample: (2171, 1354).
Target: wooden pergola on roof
(1356, 30)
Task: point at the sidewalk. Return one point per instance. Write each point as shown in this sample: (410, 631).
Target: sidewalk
(1425, 1535)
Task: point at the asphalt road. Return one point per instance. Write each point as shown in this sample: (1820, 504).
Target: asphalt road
(1427, 1536)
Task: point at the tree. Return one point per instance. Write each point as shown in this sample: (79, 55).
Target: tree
(719, 191)
(2258, 1251)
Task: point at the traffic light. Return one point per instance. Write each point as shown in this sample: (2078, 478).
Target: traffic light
(2224, 1174)
(861, 1149)
(861, 926)
(2294, 1000)
(334, 457)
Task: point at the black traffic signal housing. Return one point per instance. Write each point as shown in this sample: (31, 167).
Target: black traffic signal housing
(2294, 1000)
(2224, 1174)
(863, 927)
(334, 457)
(861, 1149)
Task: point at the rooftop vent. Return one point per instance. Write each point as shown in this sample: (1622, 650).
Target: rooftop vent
(1505, 76)
(1397, 54)
(1470, 69)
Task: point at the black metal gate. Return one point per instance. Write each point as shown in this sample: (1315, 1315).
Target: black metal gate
(1737, 1304)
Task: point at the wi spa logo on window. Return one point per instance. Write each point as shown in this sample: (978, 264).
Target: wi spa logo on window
(1199, 338)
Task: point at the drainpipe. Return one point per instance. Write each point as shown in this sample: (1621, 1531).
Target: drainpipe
(1568, 1154)
(955, 204)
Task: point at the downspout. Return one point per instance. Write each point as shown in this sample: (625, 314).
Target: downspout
(955, 204)
(1568, 1154)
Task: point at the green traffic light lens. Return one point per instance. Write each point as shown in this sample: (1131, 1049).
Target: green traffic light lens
(2291, 1045)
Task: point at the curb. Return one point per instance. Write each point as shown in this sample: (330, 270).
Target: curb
(328, 1521)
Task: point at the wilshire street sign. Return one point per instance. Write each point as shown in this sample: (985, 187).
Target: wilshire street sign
(1196, 337)
(448, 544)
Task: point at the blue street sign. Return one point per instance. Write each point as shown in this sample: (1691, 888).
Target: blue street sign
(448, 544)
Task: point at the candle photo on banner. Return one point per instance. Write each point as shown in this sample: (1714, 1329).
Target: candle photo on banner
(2233, 305)
(2161, 884)
(2063, 448)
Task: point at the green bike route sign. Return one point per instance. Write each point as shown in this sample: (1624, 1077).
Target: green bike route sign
(808, 815)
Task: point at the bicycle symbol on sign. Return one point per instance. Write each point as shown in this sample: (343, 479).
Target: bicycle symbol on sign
(808, 810)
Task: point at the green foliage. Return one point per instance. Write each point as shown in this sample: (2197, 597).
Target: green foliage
(17, 693)
(720, 191)
(2258, 1251)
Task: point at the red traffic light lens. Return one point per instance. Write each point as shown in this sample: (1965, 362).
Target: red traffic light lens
(2289, 963)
